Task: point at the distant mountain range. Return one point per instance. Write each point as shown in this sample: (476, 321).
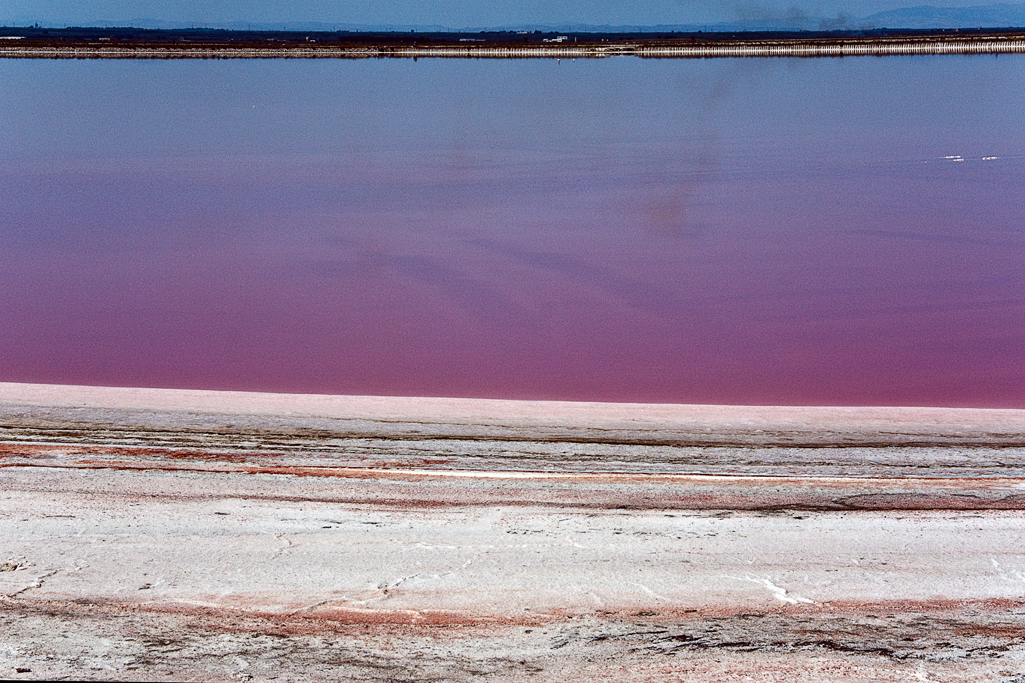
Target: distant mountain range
(982, 16)
(1001, 15)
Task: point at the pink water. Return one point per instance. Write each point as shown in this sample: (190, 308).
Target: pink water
(708, 231)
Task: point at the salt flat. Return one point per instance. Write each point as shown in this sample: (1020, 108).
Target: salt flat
(170, 535)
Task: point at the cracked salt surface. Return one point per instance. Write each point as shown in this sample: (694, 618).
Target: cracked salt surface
(483, 563)
(780, 593)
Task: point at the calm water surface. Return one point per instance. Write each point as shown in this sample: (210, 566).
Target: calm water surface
(776, 231)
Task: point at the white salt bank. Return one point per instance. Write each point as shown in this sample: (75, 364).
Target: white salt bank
(185, 535)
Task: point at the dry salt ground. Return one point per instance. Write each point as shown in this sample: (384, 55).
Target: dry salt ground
(175, 535)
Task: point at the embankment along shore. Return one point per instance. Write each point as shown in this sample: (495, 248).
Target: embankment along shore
(197, 44)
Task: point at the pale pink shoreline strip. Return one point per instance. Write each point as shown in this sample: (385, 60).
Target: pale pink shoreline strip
(525, 413)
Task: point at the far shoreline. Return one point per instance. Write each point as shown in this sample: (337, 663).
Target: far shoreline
(130, 43)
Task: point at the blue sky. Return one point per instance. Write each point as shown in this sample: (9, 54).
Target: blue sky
(450, 13)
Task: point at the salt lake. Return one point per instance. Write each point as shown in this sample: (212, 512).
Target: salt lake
(835, 231)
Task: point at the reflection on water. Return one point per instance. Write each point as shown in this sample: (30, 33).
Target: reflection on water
(833, 231)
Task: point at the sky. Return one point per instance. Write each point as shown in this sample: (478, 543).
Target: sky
(448, 13)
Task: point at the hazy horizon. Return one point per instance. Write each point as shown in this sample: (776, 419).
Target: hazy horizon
(462, 15)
